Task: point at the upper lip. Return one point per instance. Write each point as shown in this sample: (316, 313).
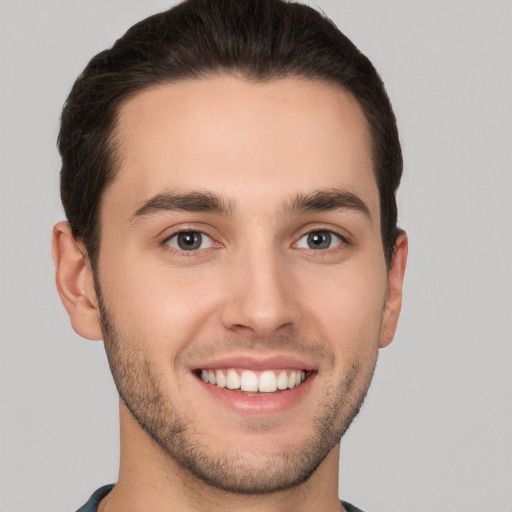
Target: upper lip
(256, 363)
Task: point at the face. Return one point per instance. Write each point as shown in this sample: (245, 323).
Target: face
(241, 275)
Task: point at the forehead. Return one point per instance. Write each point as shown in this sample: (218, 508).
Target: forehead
(254, 143)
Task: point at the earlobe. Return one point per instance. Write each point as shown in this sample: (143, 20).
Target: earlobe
(394, 292)
(75, 284)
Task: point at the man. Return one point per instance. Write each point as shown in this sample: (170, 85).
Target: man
(229, 170)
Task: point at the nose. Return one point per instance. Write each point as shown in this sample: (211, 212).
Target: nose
(259, 296)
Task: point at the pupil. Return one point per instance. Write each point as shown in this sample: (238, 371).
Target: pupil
(319, 240)
(189, 240)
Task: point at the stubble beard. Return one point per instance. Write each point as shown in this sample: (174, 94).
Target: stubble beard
(245, 472)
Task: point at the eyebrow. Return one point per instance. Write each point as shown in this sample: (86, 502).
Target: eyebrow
(318, 200)
(328, 200)
(187, 202)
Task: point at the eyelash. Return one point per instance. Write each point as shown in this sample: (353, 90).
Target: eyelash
(343, 242)
(185, 252)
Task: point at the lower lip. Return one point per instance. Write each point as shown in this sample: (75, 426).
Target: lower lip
(272, 403)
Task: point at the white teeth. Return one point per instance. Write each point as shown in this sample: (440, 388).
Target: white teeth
(248, 381)
(221, 379)
(232, 380)
(268, 382)
(282, 380)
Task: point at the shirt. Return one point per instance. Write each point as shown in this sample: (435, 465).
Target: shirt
(94, 500)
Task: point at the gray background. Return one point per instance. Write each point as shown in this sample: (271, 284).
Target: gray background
(435, 432)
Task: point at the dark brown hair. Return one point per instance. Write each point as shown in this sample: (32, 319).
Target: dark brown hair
(256, 39)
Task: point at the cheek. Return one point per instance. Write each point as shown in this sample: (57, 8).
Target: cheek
(164, 307)
(349, 310)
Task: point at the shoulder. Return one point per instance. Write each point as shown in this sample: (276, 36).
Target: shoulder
(97, 496)
(349, 507)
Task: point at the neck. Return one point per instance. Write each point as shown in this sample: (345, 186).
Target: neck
(149, 479)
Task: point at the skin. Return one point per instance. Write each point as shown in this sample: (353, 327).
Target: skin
(255, 288)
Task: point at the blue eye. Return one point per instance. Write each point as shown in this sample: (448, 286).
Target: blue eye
(189, 241)
(319, 240)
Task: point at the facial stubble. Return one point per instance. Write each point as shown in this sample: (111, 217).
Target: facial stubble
(177, 436)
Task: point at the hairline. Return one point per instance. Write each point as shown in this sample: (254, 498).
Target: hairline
(113, 144)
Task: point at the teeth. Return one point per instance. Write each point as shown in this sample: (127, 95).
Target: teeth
(221, 379)
(268, 381)
(249, 381)
(282, 380)
(232, 380)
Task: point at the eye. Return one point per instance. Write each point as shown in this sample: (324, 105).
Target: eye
(319, 240)
(189, 241)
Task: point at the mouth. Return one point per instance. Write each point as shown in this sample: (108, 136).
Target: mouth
(253, 382)
(256, 386)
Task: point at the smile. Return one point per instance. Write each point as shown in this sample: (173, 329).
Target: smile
(268, 381)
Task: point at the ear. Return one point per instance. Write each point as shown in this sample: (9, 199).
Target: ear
(394, 293)
(75, 284)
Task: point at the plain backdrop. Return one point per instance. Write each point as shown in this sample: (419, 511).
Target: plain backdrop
(436, 431)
